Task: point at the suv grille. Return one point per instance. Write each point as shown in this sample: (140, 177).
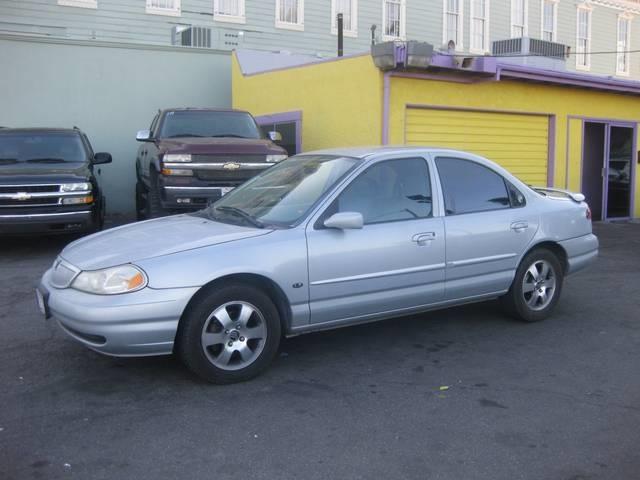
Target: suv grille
(44, 195)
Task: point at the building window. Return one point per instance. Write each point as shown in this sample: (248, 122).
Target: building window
(79, 3)
(622, 46)
(229, 11)
(164, 7)
(583, 38)
(349, 11)
(290, 14)
(393, 19)
(452, 22)
(519, 18)
(479, 35)
(549, 20)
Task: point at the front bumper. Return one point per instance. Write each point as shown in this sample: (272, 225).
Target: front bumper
(132, 324)
(198, 197)
(581, 252)
(52, 222)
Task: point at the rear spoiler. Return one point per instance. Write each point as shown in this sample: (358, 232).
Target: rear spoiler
(576, 197)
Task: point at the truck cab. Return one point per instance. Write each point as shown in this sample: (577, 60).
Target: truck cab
(191, 157)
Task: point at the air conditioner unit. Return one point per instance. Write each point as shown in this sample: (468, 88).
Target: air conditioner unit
(532, 52)
(191, 36)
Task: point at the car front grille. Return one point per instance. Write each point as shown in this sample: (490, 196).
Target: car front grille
(226, 177)
(197, 158)
(37, 195)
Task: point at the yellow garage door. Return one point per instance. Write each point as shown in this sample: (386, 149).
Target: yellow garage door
(519, 143)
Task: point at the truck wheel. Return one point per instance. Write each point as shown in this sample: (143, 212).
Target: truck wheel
(153, 207)
(536, 288)
(140, 201)
(230, 334)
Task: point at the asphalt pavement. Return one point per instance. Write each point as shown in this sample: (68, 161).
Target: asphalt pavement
(458, 394)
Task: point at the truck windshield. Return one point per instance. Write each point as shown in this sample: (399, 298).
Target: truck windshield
(283, 194)
(57, 147)
(200, 123)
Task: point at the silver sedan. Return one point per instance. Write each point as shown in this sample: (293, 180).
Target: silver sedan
(321, 240)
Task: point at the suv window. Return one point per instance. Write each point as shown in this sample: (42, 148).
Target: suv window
(469, 187)
(389, 191)
(41, 147)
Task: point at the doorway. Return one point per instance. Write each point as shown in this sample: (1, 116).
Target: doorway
(608, 160)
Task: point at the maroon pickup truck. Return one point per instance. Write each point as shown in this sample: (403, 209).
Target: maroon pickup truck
(191, 157)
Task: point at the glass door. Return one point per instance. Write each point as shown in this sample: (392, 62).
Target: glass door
(619, 169)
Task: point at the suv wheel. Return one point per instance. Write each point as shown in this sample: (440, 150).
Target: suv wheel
(153, 207)
(140, 201)
(536, 288)
(230, 334)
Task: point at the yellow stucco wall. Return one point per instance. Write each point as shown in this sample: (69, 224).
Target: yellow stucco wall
(341, 100)
(342, 104)
(516, 96)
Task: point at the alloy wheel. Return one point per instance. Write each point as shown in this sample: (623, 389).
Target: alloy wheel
(539, 285)
(234, 335)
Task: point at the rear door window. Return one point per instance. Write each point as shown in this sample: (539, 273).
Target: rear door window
(470, 187)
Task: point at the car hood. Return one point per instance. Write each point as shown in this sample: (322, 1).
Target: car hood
(219, 146)
(36, 171)
(152, 238)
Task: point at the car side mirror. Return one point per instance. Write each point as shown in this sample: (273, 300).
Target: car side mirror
(143, 136)
(345, 221)
(275, 136)
(101, 157)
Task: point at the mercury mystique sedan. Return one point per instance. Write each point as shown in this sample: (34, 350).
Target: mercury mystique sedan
(319, 241)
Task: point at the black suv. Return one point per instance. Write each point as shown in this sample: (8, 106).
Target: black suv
(47, 181)
(192, 156)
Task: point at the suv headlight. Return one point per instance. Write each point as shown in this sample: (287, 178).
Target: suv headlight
(275, 158)
(75, 187)
(177, 157)
(111, 281)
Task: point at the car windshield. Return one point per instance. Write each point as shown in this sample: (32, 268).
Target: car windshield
(58, 147)
(202, 123)
(283, 194)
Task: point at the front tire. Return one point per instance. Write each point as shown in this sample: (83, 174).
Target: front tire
(536, 288)
(229, 334)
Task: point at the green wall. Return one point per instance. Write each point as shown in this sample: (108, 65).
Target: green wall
(108, 90)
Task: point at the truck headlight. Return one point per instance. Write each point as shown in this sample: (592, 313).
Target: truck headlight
(75, 187)
(275, 158)
(111, 281)
(177, 157)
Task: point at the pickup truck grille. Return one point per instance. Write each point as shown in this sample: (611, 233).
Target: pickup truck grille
(228, 158)
(24, 196)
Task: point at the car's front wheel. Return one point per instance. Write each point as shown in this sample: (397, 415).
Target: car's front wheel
(229, 334)
(536, 287)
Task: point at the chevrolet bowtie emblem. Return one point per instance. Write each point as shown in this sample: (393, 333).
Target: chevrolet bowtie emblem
(231, 166)
(21, 196)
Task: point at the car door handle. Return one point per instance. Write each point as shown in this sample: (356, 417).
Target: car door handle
(519, 226)
(423, 238)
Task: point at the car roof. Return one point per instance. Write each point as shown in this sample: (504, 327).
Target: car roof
(202, 109)
(368, 152)
(38, 130)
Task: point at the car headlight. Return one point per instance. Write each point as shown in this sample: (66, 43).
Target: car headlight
(111, 281)
(177, 157)
(75, 187)
(275, 158)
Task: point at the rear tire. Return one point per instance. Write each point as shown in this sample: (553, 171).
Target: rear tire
(229, 334)
(536, 288)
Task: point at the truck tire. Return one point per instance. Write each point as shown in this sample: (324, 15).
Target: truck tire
(153, 207)
(141, 194)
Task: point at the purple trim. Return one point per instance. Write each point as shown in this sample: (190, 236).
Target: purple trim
(285, 117)
(400, 53)
(442, 77)
(566, 78)
(486, 65)
(386, 94)
(551, 156)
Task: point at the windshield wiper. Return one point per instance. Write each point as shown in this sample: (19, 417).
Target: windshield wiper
(46, 160)
(229, 135)
(241, 213)
(184, 135)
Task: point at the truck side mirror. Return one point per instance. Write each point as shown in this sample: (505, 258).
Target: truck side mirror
(143, 136)
(275, 136)
(101, 157)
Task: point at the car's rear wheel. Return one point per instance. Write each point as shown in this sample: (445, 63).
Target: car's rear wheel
(229, 334)
(536, 288)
